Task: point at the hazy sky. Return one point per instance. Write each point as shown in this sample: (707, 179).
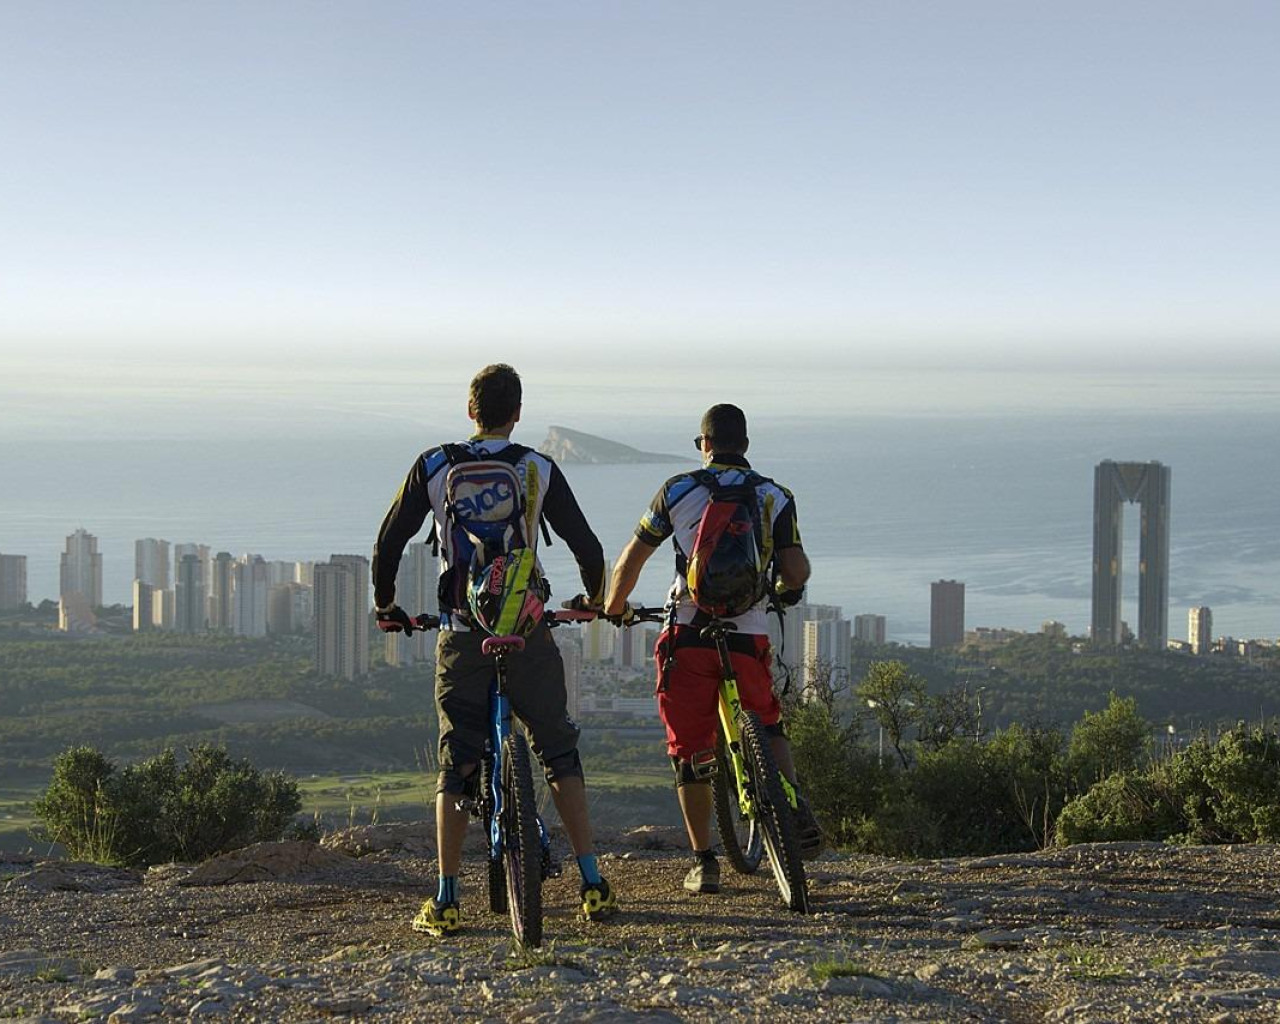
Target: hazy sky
(365, 183)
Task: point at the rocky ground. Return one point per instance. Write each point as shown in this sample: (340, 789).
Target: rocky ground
(1110, 932)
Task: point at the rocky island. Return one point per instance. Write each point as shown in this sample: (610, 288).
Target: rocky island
(574, 446)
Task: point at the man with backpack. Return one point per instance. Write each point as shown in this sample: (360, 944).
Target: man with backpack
(738, 548)
(489, 498)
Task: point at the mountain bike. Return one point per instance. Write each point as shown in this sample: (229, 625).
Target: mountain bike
(754, 802)
(519, 846)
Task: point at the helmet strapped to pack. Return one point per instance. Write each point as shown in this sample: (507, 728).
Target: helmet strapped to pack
(491, 532)
(728, 568)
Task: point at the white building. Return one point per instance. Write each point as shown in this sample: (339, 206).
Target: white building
(788, 642)
(81, 571)
(342, 617)
(249, 576)
(827, 650)
(151, 562)
(869, 629)
(1200, 630)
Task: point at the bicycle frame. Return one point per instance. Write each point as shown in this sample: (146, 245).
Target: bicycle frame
(730, 708)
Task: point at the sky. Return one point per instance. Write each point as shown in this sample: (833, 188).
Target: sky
(388, 187)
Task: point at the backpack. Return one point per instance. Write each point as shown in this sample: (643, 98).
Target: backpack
(490, 522)
(728, 571)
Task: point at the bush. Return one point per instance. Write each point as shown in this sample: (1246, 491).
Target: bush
(1228, 792)
(1103, 743)
(156, 811)
(839, 777)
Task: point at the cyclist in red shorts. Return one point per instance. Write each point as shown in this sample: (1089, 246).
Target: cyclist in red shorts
(688, 666)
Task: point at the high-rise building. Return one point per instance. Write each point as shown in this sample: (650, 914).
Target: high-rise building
(1200, 630)
(827, 651)
(342, 616)
(81, 569)
(75, 615)
(1115, 484)
(946, 613)
(144, 606)
(191, 602)
(163, 608)
(869, 629)
(417, 591)
(288, 608)
(787, 637)
(630, 646)
(281, 572)
(13, 581)
(304, 573)
(151, 562)
(222, 593)
(249, 576)
(599, 637)
(571, 655)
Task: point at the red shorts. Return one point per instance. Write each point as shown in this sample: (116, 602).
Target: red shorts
(689, 706)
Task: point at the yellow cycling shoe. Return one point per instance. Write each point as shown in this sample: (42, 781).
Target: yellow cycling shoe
(436, 918)
(598, 900)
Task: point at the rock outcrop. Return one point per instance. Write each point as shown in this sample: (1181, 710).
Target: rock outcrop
(574, 446)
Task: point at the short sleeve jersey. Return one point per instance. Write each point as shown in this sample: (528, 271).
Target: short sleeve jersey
(676, 511)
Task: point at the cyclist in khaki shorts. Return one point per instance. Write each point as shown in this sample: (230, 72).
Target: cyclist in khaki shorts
(535, 681)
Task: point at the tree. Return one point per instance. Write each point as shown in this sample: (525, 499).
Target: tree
(1108, 742)
(896, 698)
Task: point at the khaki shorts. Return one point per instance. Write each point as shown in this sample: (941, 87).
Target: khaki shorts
(535, 687)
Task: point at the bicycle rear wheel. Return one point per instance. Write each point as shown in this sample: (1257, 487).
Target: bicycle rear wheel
(521, 845)
(774, 810)
(739, 835)
(497, 882)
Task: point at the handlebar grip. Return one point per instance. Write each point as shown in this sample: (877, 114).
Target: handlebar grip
(425, 622)
(573, 615)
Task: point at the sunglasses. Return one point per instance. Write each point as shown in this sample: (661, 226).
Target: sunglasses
(697, 441)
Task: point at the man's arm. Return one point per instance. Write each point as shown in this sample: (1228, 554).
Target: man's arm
(626, 574)
(405, 518)
(793, 567)
(793, 563)
(566, 518)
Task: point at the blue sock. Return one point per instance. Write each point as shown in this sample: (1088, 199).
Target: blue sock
(590, 870)
(448, 890)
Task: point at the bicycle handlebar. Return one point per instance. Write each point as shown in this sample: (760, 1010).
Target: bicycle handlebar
(424, 622)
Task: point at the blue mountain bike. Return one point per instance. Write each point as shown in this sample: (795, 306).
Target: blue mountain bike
(519, 846)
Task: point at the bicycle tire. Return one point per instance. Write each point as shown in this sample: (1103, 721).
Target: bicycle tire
(497, 876)
(781, 842)
(739, 836)
(521, 843)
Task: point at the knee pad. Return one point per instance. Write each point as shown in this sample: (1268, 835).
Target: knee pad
(696, 770)
(776, 729)
(455, 783)
(563, 766)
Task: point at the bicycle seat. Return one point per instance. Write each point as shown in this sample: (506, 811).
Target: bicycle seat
(717, 630)
(494, 644)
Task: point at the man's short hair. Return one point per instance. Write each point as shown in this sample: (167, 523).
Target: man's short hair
(494, 396)
(726, 427)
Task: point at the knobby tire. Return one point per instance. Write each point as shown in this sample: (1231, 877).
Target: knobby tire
(781, 841)
(522, 845)
(739, 836)
(497, 873)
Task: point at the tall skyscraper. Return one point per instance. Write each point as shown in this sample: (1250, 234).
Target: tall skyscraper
(1114, 484)
(788, 637)
(342, 616)
(289, 608)
(249, 575)
(144, 609)
(222, 591)
(417, 591)
(151, 562)
(81, 569)
(191, 603)
(946, 613)
(13, 581)
(827, 650)
(598, 640)
(1200, 630)
(869, 629)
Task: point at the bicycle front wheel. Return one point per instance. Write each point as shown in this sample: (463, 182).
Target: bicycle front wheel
(521, 844)
(740, 835)
(774, 812)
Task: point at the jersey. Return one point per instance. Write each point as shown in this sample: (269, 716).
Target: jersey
(676, 512)
(546, 494)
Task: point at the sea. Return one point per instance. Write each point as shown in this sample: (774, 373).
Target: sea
(986, 481)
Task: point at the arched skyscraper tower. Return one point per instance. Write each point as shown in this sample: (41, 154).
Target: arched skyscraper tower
(1114, 484)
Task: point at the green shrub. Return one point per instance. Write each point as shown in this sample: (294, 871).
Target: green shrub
(157, 811)
(841, 779)
(1103, 743)
(1224, 792)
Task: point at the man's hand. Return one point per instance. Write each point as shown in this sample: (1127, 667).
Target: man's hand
(580, 603)
(624, 618)
(788, 597)
(395, 620)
